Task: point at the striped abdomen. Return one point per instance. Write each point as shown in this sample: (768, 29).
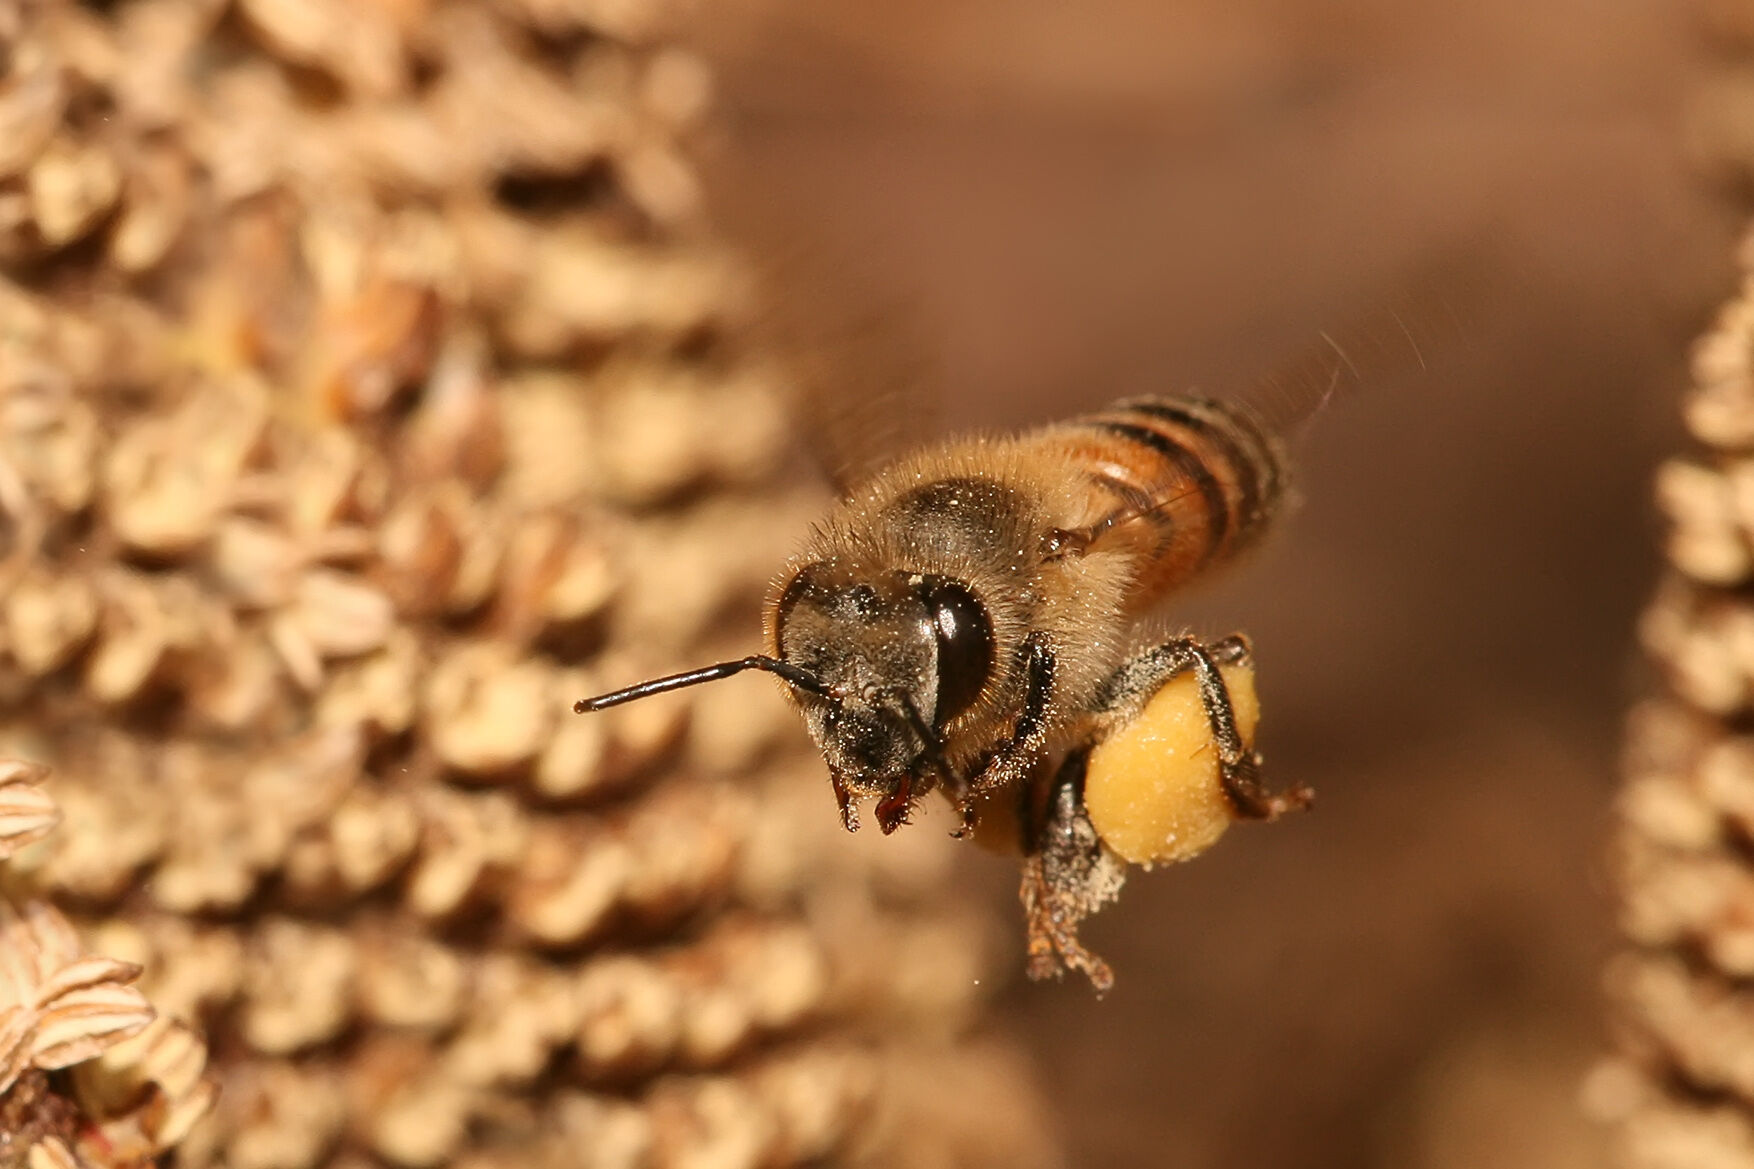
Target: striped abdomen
(1186, 483)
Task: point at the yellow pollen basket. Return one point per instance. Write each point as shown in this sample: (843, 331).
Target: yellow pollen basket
(1152, 788)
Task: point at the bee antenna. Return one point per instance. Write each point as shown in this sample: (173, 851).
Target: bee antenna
(802, 679)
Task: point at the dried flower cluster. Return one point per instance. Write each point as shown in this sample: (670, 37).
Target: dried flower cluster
(131, 1083)
(367, 394)
(1682, 1089)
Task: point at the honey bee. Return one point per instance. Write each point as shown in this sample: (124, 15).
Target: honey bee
(965, 621)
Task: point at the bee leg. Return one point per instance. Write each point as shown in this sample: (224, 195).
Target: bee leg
(1238, 767)
(1067, 875)
(849, 811)
(1010, 765)
(971, 817)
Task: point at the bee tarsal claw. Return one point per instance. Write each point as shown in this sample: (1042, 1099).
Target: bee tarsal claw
(1242, 786)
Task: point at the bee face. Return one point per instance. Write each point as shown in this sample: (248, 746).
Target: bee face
(899, 656)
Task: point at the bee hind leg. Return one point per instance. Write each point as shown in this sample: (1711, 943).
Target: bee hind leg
(1239, 767)
(1068, 874)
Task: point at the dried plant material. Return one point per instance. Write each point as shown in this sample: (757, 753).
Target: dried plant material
(137, 1079)
(77, 1006)
(487, 710)
(298, 986)
(71, 187)
(1720, 409)
(156, 204)
(466, 844)
(31, 102)
(1681, 1091)
(52, 1153)
(354, 420)
(27, 813)
(49, 437)
(1707, 539)
(48, 621)
(569, 883)
(167, 1062)
(358, 43)
(411, 982)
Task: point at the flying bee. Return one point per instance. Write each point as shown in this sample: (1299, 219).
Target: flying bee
(965, 621)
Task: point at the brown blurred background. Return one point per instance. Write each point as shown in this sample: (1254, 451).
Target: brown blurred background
(1053, 204)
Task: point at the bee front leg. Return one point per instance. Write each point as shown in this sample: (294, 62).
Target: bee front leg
(1011, 764)
(843, 798)
(1068, 874)
(1142, 676)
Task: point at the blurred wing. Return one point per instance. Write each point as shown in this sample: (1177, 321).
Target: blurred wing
(1428, 320)
(862, 378)
(853, 351)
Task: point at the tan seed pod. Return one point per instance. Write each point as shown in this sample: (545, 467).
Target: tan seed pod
(30, 106)
(438, 553)
(240, 685)
(712, 1120)
(189, 970)
(167, 480)
(48, 436)
(379, 691)
(573, 761)
(52, 1153)
(278, 1115)
(814, 1098)
(358, 44)
(339, 614)
(374, 834)
(486, 709)
(335, 482)
(79, 1005)
(467, 842)
(521, 1012)
(27, 812)
(371, 347)
(168, 1059)
(18, 1022)
(553, 576)
(422, 1123)
(48, 620)
(631, 1017)
(406, 981)
(681, 848)
(569, 883)
(455, 433)
(254, 562)
(547, 422)
(297, 986)
(155, 209)
(1720, 408)
(1706, 540)
(77, 1023)
(72, 186)
(124, 827)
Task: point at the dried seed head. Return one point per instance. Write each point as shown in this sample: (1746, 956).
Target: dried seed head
(332, 469)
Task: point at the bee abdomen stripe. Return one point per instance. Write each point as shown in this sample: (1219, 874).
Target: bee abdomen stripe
(1188, 464)
(1238, 441)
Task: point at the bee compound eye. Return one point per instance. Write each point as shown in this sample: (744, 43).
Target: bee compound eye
(965, 644)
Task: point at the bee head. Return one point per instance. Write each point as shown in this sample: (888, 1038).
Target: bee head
(879, 663)
(898, 655)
